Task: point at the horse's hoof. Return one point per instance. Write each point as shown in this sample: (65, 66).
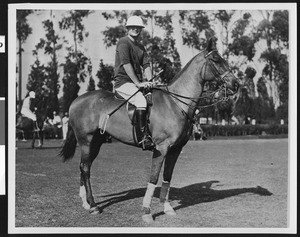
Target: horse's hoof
(147, 218)
(170, 212)
(168, 209)
(94, 210)
(86, 206)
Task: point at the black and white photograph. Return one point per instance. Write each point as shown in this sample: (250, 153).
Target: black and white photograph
(150, 118)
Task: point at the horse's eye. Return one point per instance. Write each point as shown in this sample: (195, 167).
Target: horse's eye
(215, 58)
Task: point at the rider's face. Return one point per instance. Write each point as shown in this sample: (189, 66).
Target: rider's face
(134, 31)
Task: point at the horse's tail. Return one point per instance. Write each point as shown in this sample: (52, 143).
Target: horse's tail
(69, 147)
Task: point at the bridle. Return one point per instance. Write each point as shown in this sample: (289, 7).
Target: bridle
(221, 81)
(221, 77)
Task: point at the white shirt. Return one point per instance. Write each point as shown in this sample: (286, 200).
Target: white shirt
(56, 119)
(26, 103)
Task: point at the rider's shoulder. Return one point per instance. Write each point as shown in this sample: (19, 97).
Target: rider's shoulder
(124, 40)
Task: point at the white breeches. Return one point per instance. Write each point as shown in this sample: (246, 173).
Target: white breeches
(64, 130)
(127, 90)
(27, 112)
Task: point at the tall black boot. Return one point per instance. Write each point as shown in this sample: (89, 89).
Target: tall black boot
(143, 134)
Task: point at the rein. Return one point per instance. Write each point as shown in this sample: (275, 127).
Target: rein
(223, 87)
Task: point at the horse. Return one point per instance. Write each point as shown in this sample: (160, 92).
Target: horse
(25, 124)
(171, 121)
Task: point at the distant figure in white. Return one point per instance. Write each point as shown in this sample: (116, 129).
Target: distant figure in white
(57, 124)
(26, 111)
(65, 121)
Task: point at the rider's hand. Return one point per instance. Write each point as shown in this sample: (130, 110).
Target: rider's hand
(145, 84)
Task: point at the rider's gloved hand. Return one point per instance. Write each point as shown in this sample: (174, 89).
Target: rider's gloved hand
(146, 84)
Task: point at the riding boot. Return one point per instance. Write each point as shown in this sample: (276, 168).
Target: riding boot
(143, 134)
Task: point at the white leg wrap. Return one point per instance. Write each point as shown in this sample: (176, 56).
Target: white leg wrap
(148, 195)
(82, 194)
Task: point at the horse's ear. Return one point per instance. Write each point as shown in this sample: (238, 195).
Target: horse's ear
(211, 44)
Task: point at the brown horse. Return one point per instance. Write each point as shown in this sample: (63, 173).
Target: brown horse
(170, 123)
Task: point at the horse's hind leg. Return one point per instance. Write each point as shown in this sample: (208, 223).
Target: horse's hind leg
(169, 165)
(90, 147)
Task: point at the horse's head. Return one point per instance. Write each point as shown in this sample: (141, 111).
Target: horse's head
(217, 70)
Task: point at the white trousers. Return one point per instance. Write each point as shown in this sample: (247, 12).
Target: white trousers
(127, 90)
(27, 112)
(65, 130)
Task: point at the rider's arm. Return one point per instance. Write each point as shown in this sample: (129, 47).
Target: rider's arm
(130, 72)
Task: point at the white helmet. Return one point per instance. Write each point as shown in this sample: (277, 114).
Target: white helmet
(135, 21)
(32, 94)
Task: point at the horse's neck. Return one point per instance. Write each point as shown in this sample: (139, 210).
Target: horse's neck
(187, 84)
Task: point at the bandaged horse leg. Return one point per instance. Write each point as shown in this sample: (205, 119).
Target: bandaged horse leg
(170, 162)
(82, 195)
(164, 198)
(157, 160)
(147, 201)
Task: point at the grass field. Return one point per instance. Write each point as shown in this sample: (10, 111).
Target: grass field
(216, 183)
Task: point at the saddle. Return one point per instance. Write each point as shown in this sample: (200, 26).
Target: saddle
(131, 111)
(131, 108)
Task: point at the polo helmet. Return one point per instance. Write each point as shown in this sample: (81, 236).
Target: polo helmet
(135, 21)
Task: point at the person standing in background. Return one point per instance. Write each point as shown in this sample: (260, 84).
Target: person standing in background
(65, 122)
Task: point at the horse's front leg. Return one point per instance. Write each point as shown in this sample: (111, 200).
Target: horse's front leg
(157, 161)
(170, 161)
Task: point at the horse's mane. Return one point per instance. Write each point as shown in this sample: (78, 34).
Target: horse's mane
(183, 70)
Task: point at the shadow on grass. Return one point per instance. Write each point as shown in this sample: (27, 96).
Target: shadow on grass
(186, 196)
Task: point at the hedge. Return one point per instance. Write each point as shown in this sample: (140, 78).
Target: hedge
(241, 130)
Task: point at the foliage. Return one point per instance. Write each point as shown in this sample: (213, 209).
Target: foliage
(275, 32)
(91, 86)
(76, 62)
(50, 46)
(242, 130)
(242, 43)
(23, 28)
(191, 29)
(243, 105)
(282, 112)
(105, 75)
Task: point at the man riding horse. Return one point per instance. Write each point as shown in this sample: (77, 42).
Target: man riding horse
(130, 60)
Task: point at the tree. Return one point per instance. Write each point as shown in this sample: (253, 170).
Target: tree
(273, 29)
(243, 106)
(105, 75)
(91, 86)
(76, 61)
(194, 33)
(36, 83)
(50, 46)
(243, 42)
(23, 31)
(263, 108)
